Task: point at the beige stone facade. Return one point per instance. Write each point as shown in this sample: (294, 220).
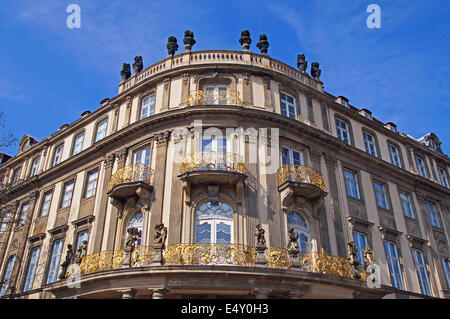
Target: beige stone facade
(132, 163)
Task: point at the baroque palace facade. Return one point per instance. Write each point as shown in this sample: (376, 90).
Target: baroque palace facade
(225, 174)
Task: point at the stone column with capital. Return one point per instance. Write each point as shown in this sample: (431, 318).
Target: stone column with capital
(159, 293)
(128, 293)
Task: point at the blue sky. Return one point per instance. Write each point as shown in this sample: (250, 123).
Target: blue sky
(51, 74)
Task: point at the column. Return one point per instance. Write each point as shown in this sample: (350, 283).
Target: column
(159, 293)
(128, 293)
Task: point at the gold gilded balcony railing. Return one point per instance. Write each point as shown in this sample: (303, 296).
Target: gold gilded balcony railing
(210, 254)
(113, 259)
(301, 173)
(310, 262)
(213, 161)
(132, 173)
(211, 97)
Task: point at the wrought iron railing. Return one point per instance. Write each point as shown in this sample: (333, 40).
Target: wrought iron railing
(209, 254)
(213, 161)
(113, 259)
(302, 174)
(131, 173)
(210, 97)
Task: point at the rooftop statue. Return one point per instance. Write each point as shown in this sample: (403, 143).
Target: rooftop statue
(302, 65)
(125, 73)
(172, 45)
(245, 40)
(138, 64)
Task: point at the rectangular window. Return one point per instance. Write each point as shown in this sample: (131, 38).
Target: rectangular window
(16, 176)
(47, 198)
(91, 183)
(443, 177)
(310, 109)
(405, 200)
(434, 217)
(67, 194)
(82, 236)
(380, 195)
(394, 265)
(292, 157)
(5, 221)
(78, 147)
(421, 167)
(361, 244)
(23, 214)
(395, 155)
(369, 142)
(446, 267)
(288, 105)
(31, 269)
(58, 154)
(147, 106)
(35, 166)
(422, 274)
(342, 131)
(7, 275)
(351, 184)
(101, 130)
(323, 109)
(215, 94)
(142, 157)
(54, 261)
(214, 144)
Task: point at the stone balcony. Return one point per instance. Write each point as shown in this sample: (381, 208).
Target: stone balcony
(301, 181)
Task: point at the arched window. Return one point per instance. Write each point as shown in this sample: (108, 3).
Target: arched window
(136, 220)
(301, 226)
(7, 274)
(213, 223)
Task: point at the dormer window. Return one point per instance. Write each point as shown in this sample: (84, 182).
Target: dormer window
(342, 100)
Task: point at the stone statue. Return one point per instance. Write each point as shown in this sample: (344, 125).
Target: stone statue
(259, 234)
(352, 257)
(125, 73)
(161, 234)
(263, 44)
(369, 256)
(292, 239)
(138, 64)
(315, 71)
(188, 40)
(81, 252)
(132, 238)
(172, 45)
(301, 62)
(67, 262)
(245, 40)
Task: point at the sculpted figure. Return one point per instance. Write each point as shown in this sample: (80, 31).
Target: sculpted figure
(132, 238)
(301, 62)
(138, 64)
(125, 73)
(352, 257)
(81, 252)
(259, 234)
(315, 71)
(292, 239)
(67, 262)
(172, 45)
(161, 234)
(369, 256)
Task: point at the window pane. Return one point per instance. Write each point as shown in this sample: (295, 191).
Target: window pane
(147, 106)
(84, 235)
(31, 271)
(101, 130)
(46, 203)
(78, 147)
(54, 261)
(7, 275)
(68, 191)
(35, 166)
(394, 265)
(23, 214)
(406, 205)
(91, 183)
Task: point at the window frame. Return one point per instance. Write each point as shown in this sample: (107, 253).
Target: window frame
(445, 264)
(27, 268)
(7, 272)
(408, 195)
(360, 253)
(22, 216)
(50, 259)
(54, 163)
(385, 192)
(141, 101)
(443, 178)
(97, 125)
(373, 135)
(74, 144)
(213, 221)
(41, 206)
(420, 274)
(86, 183)
(425, 169)
(436, 214)
(358, 188)
(399, 154)
(63, 193)
(349, 129)
(291, 156)
(398, 264)
(288, 104)
(38, 158)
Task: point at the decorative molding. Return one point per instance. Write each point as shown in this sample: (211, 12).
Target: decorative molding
(109, 160)
(37, 238)
(61, 230)
(416, 242)
(83, 221)
(162, 138)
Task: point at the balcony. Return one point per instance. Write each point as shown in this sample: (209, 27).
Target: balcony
(213, 97)
(129, 184)
(303, 181)
(213, 168)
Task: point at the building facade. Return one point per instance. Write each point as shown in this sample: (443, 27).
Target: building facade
(225, 174)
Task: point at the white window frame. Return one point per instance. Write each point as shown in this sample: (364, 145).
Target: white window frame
(45, 207)
(381, 195)
(406, 205)
(422, 273)
(394, 153)
(81, 236)
(147, 105)
(91, 190)
(216, 98)
(360, 240)
(433, 215)
(55, 258)
(291, 153)
(31, 268)
(369, 142)
(213, 220)
(343, 130)
(67, 194)
(23, 214)
(421, 168)
(142, 156)
(392, 259)
(289, 106)
(35, 166)
(352, 181)
(78, 144)
(57, 156)
(100, 130)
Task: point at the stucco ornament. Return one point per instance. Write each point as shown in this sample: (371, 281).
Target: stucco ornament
(172, 45)
(302, 64)
(138, 64)
(245, 40)
(263, 44)
(126, 72)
